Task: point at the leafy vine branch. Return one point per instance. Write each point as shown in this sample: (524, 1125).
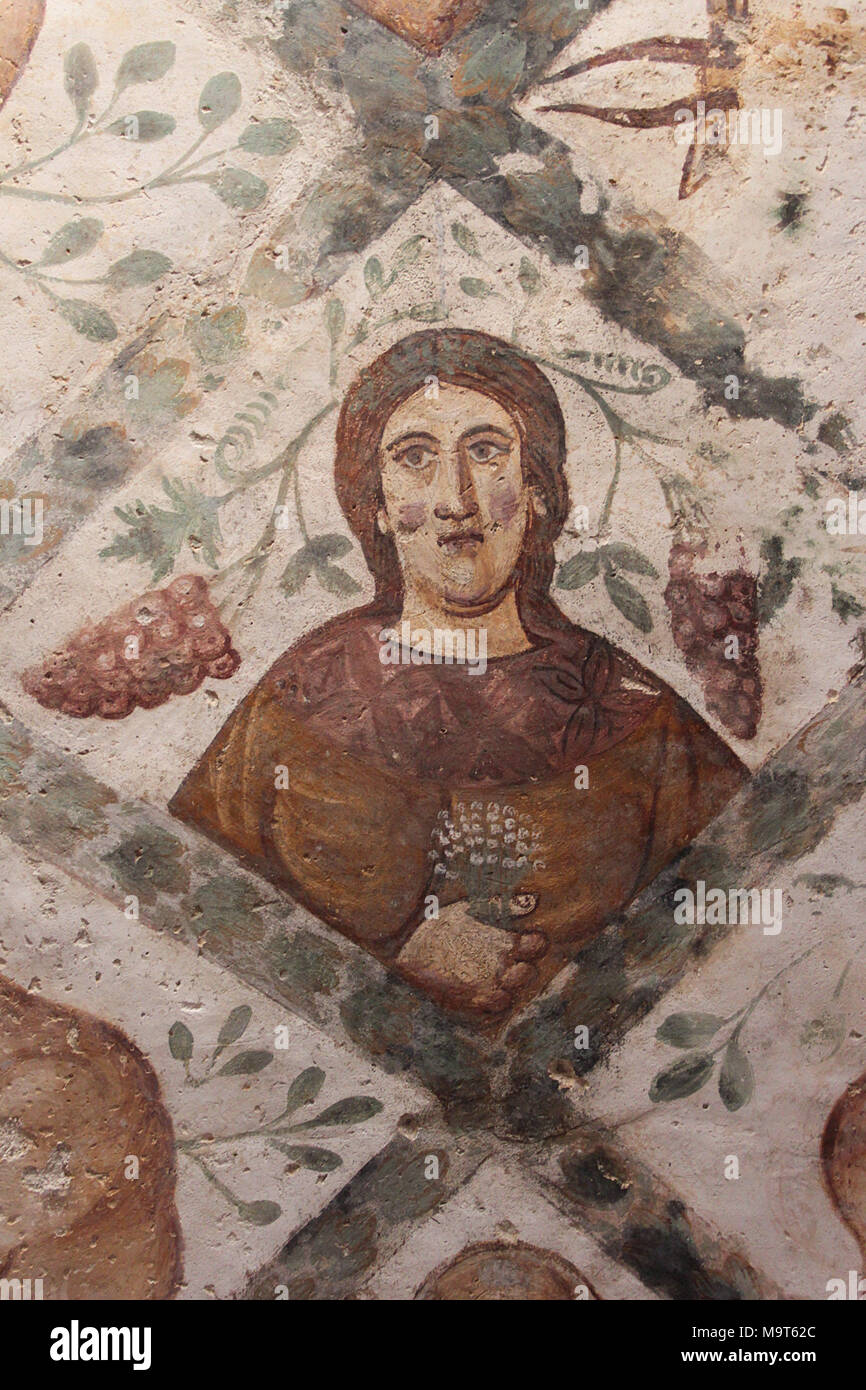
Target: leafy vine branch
(155, 535)
(282, 1132)
(238, 188)
(696, 1032)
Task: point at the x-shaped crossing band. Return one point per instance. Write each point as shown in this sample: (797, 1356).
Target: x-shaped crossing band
(646, 277)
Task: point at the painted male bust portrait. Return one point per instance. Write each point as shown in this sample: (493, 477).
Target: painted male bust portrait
(472, 825)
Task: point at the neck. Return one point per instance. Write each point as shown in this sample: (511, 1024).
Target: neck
(498, 618)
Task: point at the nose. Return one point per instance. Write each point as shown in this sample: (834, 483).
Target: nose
(457, 499)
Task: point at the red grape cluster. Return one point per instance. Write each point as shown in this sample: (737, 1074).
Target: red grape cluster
(162, 644)
(707, 610)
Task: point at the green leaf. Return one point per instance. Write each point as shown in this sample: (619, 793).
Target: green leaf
(736, 1078)
(80, 77)
(180, 1042)
(845, 604)
(149, 126)
(146, 541)
(74, 239)
(465, 238)
(476, 289)
(235, 1025)
(689, 1029)
(627, 558)
(259, 1213)
(304, 1089)
(630, 602)
(374, 277)
(350, 1111)
(297, 572)
(306, 1156)
(683, 1078)
(218, 335)
(138, 268)
(826, 884)
(407, 254)
(778, 577)
(337, 581)
(427, 313)
(273, 137)
(335, 319)
(580, 569)
(246, 1064)
(219, 100)
(238, 188)
(87, 319)
(147, 62)
(195, 518)
(156, 535)
(528, 277)
(330, 547)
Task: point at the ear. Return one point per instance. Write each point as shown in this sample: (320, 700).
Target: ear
(539, 506)
(382, 521)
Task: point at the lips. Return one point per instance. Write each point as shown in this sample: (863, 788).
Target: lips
(461, 542)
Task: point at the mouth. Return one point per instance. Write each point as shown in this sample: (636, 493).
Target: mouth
(461, 542)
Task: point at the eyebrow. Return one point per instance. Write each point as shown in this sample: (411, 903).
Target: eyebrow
(412, 434)
(485, 429)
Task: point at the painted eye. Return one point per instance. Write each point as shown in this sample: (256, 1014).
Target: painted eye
(416, 456)
(485, 451)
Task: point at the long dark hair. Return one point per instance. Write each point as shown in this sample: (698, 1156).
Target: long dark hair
(455, 357)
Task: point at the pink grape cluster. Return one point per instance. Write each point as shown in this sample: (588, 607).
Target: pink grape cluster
(706, 610)
(164, 643)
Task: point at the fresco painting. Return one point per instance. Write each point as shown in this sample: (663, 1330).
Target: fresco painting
(456, 503)
(431, 716)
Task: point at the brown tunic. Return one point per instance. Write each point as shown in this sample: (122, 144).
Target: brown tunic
(375, 753)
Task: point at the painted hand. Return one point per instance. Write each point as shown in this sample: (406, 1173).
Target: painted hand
(468, 965)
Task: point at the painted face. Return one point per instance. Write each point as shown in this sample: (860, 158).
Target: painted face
(455, 498)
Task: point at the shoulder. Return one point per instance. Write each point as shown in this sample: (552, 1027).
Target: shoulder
(612, 695)
(339, 660)
(582, 668)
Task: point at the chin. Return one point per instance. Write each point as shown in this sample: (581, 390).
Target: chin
(468, 596)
